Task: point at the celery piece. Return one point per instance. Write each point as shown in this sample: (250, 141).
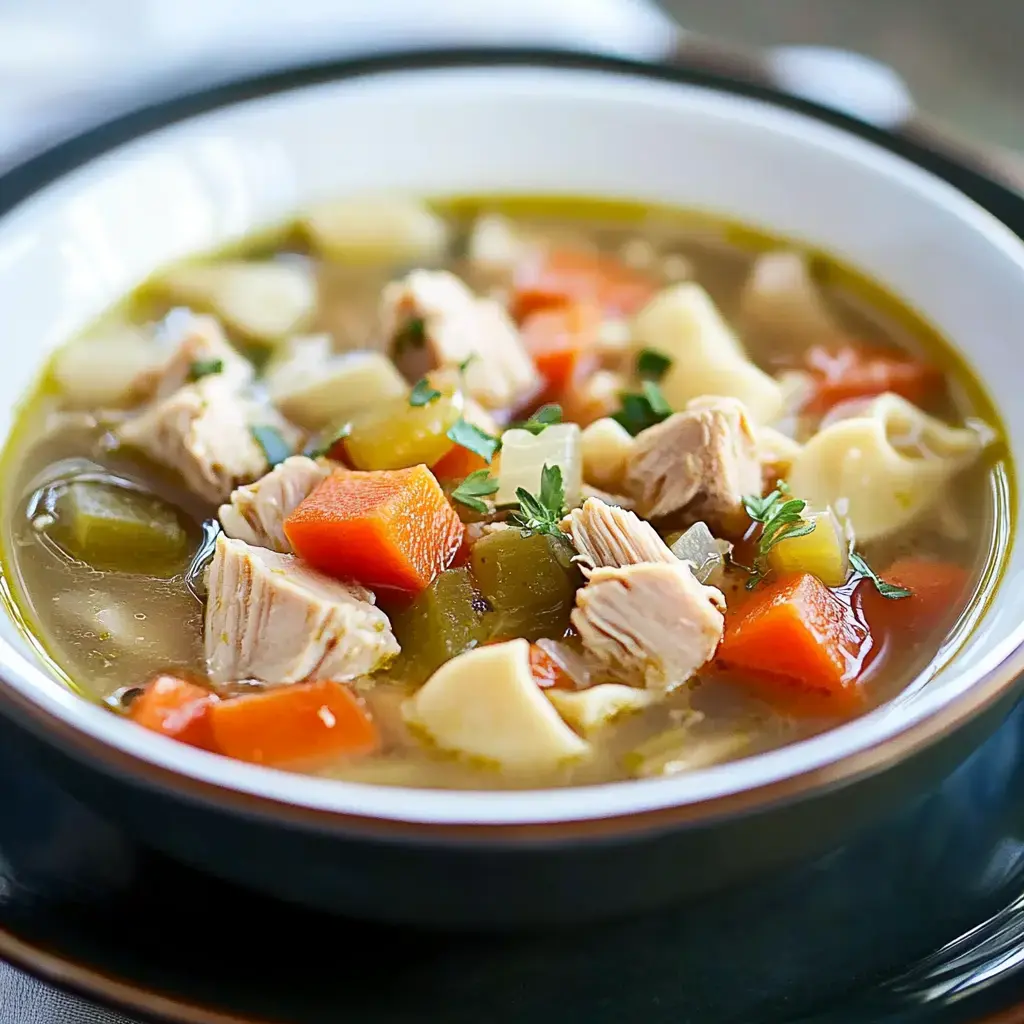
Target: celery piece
(444, 620)
(117, 529)
(529, 581)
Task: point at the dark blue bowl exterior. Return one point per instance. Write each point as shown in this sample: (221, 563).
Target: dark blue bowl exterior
(827, 938)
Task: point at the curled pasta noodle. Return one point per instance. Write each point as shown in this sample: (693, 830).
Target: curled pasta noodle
(684, 324)
(884, 466)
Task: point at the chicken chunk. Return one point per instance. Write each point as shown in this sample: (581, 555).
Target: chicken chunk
(435, 321)
(202, 431)
(697, 465)
(196, 348)
(650, 624)
(257, 511)
(271, 617)
(610, 537)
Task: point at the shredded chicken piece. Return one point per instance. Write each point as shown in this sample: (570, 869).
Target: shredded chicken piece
(257, 511)
(202, 431)
(194, 343)
(607, 536)
(619, 500)
(456, 325)
(651, 624)
(271, 617)
(698, 464)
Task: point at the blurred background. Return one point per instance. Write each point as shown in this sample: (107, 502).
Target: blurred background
(64, 62)
(961, 60)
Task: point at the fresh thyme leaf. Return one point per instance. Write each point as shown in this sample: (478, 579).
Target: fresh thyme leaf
(542, 514)
(479, 484)
(889, 590)
(652, 365)
(271, 440)
(782, 519)
(204, 368)
(412, 334)
(423, 393)
(637, 412)
(474, 439)
(545, 416)
(322, 446)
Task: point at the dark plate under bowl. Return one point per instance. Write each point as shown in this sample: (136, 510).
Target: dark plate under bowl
(807, 875)
(941, 942)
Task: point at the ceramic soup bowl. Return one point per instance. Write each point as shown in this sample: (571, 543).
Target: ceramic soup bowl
(82, 225)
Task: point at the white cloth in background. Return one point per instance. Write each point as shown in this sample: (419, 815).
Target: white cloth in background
(65, 63)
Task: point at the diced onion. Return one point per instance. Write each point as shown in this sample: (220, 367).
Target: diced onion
(572, 663)
(703, 551)
(524, 456)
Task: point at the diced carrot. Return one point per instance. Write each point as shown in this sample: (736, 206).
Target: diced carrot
(938, 590)
(854, 371)
(177, 708)
(795, 640)
(558, 337)
(558, 276)
(458, 464)
(388, 529)
(294, 725)
(547, 673)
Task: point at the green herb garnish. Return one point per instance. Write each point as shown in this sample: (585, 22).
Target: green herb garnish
(542, 514)
(545, 416)
(888, 590)
(412, 334)
(204, 368)
(323, 445)
(782, 519)
(423, 393)
(652, 365)
(640, 411)
(275, 448)
(473, 439)
(464, 365)
(479, 484)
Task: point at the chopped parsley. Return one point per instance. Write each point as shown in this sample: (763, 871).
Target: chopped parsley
(322, 445)
(864, 570)
(781, 517)
(652, 365)
(542, 514)
(640, 411)
(204, 368)
(271, 440)
(473, 439)
(478, 485)
(412, 334)
(423, 393)
(545, 416)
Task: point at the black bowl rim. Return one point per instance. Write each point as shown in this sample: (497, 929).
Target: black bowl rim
(24, 180)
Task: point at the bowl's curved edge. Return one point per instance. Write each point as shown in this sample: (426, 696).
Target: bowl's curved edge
(22, 181)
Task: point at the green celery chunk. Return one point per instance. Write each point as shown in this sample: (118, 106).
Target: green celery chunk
(116, 529)
(444, 620)
(530, 583)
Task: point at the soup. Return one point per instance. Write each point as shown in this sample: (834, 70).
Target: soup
(501, 494)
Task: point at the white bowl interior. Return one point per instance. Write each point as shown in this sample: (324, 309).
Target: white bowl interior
(80, 244)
